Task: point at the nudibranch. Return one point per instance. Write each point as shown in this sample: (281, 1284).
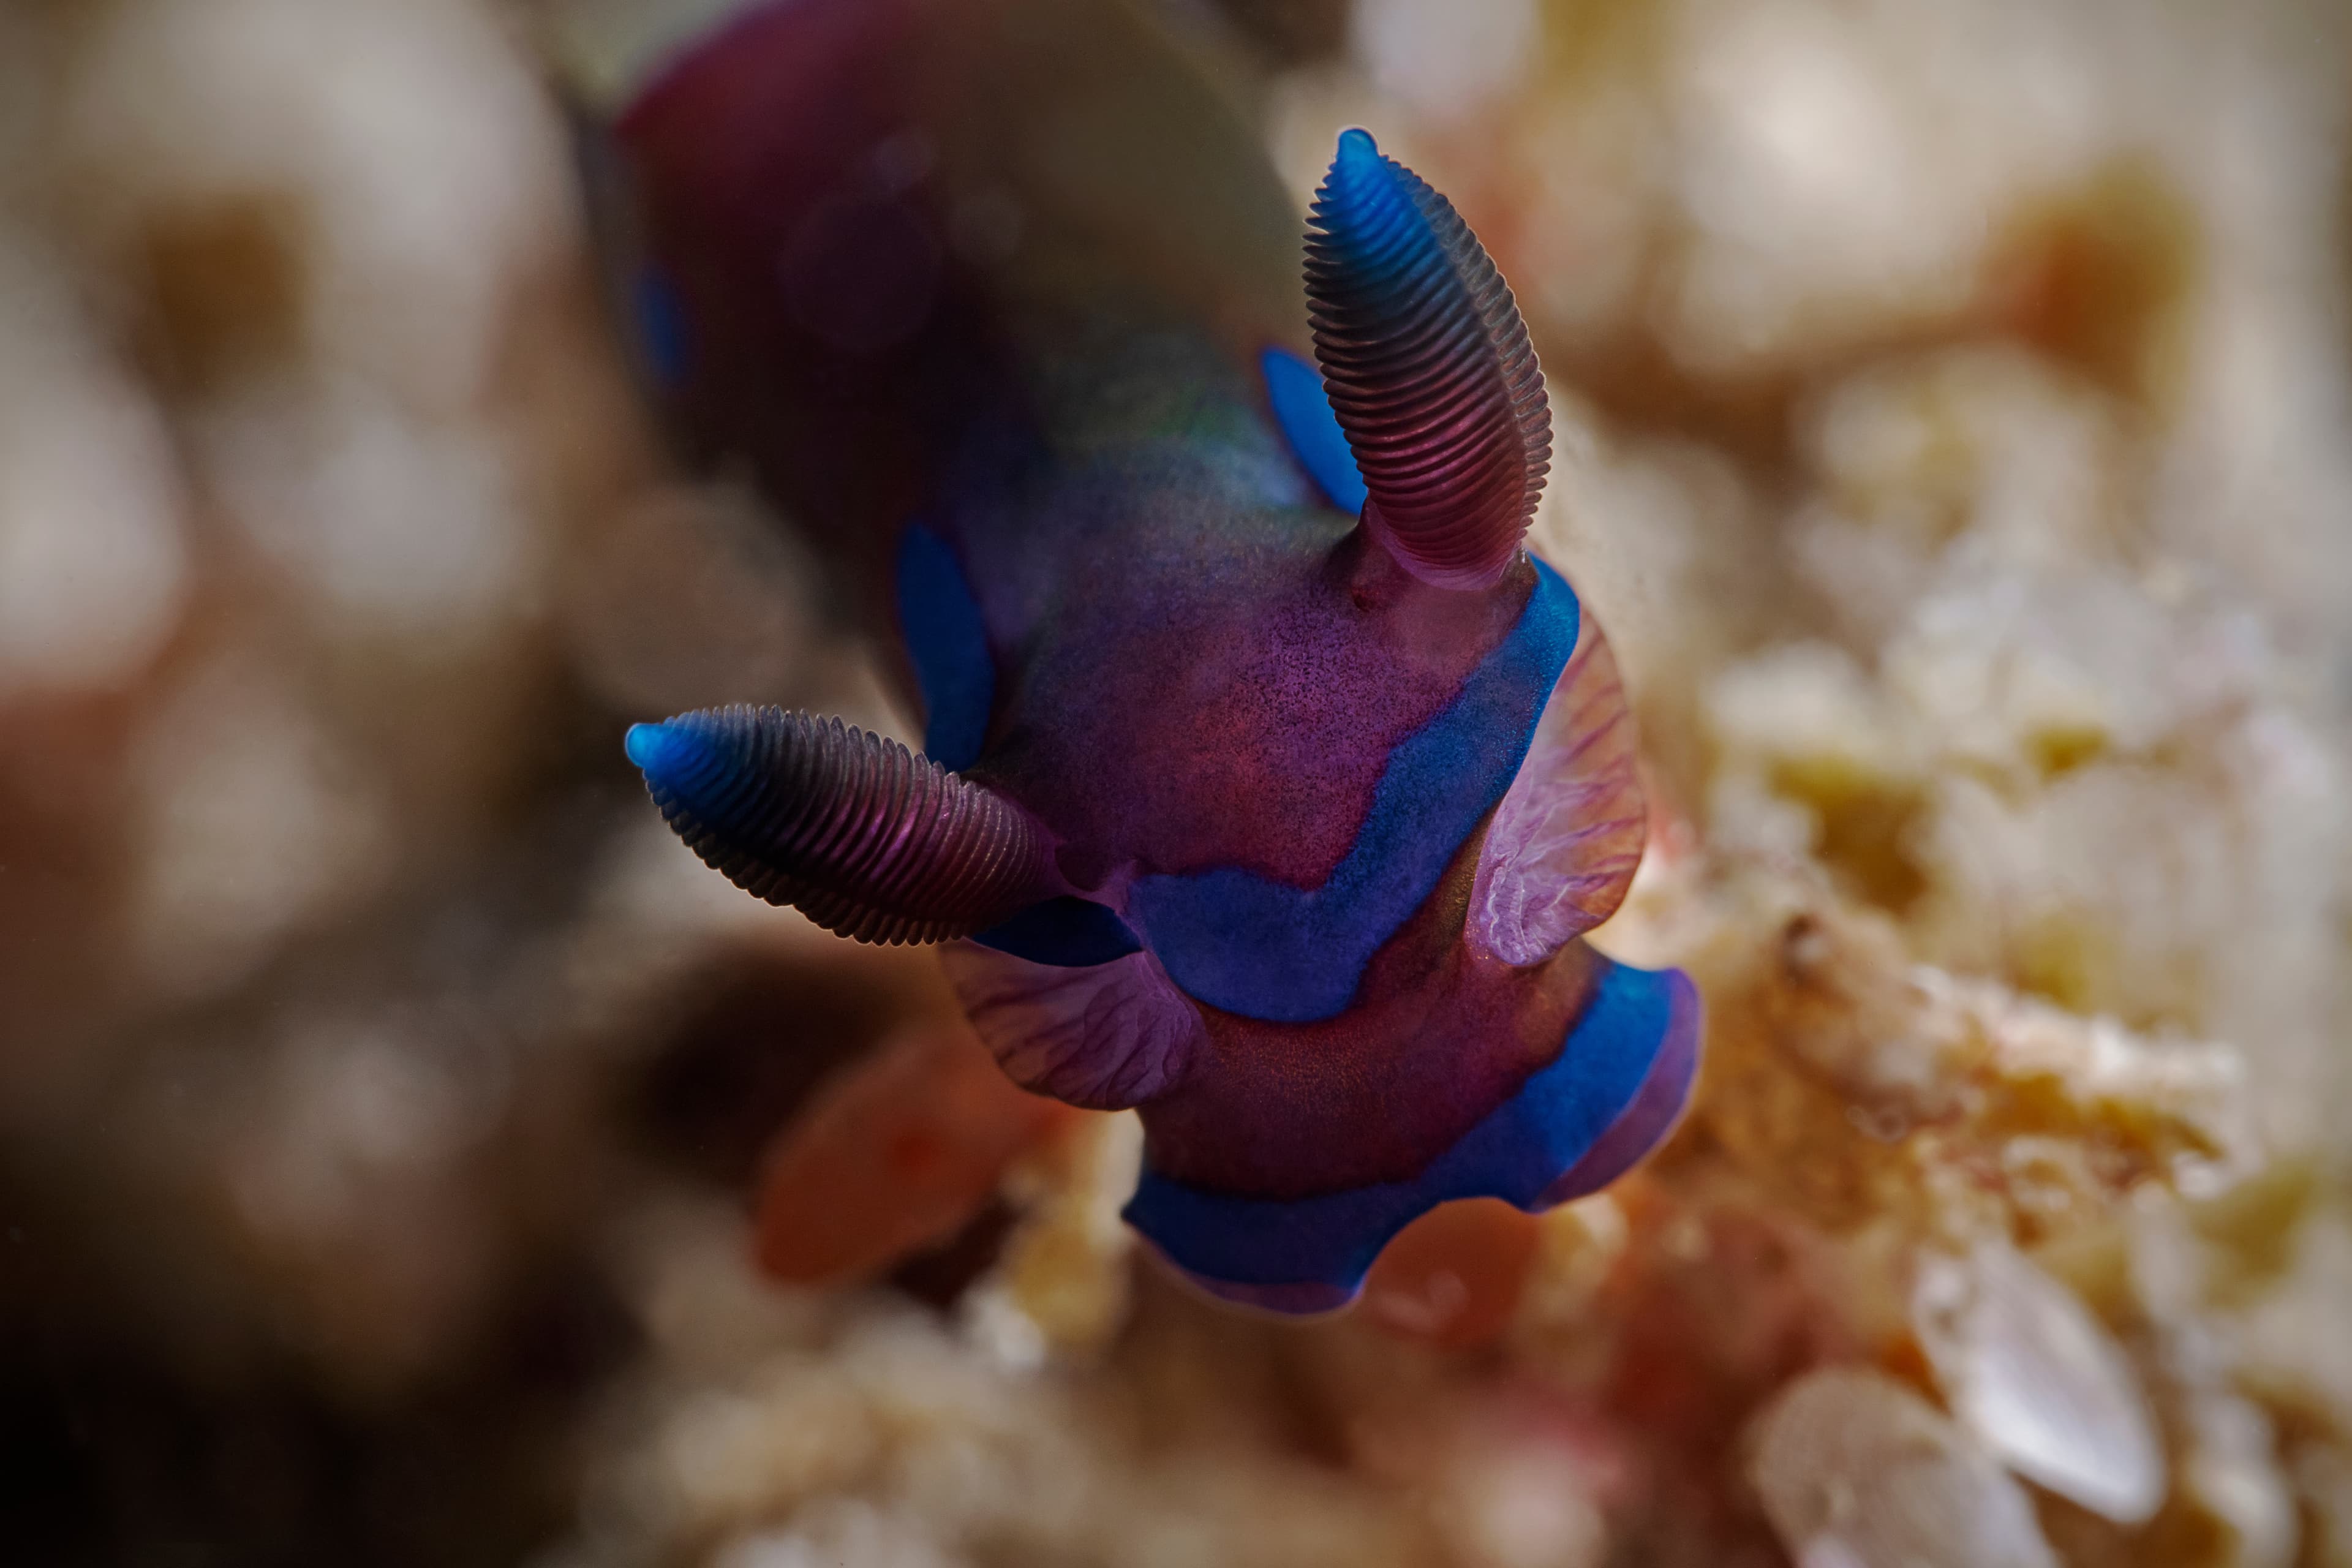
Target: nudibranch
(1267, 781)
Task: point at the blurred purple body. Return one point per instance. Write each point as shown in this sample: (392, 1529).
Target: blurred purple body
(1274, 817)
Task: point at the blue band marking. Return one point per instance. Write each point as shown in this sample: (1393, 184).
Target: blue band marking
(948, 642)
(1304, 412)
(1236, 941)
(1514, 1152)
(661, 334)
(1069, 933)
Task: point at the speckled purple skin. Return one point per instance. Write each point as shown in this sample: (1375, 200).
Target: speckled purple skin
(1003, 271)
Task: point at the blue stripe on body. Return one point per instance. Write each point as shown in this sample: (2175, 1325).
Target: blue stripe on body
(1249, 945)
(1514, 1152)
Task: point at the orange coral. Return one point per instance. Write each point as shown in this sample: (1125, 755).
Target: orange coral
(897, 1153)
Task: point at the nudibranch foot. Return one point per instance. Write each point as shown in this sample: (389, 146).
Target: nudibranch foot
(1610, 1096)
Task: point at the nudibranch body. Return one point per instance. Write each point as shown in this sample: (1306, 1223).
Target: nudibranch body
(1267, 781)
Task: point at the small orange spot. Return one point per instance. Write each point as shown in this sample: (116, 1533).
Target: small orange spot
(1452, 1277)
(895, 1154)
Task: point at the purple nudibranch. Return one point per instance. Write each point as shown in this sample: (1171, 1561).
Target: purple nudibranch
(1268, 783)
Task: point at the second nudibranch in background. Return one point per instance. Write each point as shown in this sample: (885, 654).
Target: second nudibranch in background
(1268, 782)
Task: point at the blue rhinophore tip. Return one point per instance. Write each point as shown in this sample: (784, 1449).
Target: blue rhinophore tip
(1364, 221)
(1368, 209)
(653, 747)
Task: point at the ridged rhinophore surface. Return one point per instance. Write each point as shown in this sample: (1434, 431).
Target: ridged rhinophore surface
(1428, 366)
(864, 837)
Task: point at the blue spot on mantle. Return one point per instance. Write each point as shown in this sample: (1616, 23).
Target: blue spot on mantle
(948, 642)
(1304, 412)
(1237, 940)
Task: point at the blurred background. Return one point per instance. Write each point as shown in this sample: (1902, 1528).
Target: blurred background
(409, 1155)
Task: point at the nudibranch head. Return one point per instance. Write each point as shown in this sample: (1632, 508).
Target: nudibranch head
(1278, 822)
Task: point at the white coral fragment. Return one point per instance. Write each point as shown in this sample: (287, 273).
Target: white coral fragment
(2039, 1382)
(1857, 1471)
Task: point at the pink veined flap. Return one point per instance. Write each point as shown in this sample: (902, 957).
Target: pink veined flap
(1105, 1036)
(1564, 843)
